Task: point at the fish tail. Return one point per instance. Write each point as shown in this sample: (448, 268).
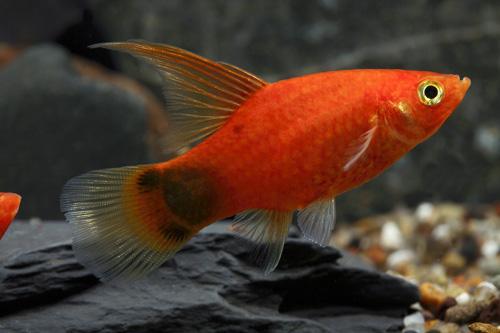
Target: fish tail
(127, 221)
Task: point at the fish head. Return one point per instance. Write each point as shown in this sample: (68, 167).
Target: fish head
(421, 102)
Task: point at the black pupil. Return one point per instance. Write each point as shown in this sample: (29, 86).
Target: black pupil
(430, 92)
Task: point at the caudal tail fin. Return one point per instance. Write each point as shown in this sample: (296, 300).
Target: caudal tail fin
(122, 226)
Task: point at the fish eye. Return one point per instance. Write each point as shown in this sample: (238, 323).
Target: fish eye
(430, 92)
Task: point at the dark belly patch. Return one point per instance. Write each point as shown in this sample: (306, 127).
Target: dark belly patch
(189, 194)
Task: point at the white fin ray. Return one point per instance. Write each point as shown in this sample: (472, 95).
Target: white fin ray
(195, 88)
(359, 147)
(317, 221)
(266, 232)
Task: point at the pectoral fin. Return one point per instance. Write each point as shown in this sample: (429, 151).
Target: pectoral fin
(266, 232)
(359, 148)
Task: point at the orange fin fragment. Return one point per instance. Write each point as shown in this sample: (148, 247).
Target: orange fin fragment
(317, 221)
(200, 93)
(265, 232)
(122, 228)
(9, 205)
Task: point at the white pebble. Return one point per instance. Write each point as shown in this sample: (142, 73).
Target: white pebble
(486, 291)
(424, 211)
(442, 232)
(490, 249)
(399, 257)
(414, 319)
(463, 298)
(486, 284)
(414, 327)
(391, 237)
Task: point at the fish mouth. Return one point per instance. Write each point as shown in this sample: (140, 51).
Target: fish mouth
(464, 84)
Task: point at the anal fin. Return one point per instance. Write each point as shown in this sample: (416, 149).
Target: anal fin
(266, 232)
(318, 220)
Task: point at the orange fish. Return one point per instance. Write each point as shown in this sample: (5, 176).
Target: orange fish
(9, 205)
(273, 148)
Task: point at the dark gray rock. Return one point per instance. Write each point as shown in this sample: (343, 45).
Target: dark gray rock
(41, 277)
(56, 124)
(209, 286)
(27, 22)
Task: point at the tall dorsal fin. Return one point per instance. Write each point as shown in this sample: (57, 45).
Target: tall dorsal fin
(200, 93)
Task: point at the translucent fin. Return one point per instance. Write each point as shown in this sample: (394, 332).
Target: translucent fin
(266, 232)
(201, 94)
(122, 229)
(359, 147)
(318, 220)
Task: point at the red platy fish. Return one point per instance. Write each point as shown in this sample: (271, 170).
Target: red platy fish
(9, 205)
(273, 148)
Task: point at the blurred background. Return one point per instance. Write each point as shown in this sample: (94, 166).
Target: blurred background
(66, 109)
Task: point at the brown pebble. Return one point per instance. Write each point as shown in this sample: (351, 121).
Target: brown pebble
(465, 313)
(443, 327)
(429, 324)
(432, 296)
(428, 315)
(376, 254)
(454, 262)
(483, 328)
(460, 279)
(474, 282)
(447, 303)
(492, 312)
